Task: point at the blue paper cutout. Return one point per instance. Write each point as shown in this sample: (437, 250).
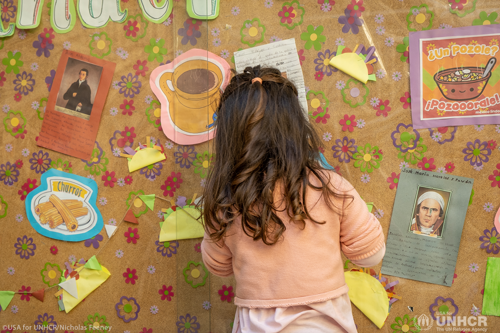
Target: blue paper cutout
(85, 190)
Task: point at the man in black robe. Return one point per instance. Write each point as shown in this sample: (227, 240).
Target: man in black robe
(78, 94)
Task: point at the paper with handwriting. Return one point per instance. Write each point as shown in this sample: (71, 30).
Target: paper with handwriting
(426, 226)
(281, 55)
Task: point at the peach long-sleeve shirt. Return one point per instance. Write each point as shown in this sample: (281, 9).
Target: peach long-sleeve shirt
(305, 266)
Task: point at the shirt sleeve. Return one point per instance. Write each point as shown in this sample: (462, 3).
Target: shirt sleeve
(361, 235)
(217, 257)
(371, 261)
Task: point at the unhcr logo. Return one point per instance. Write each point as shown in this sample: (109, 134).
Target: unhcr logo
(424, 322)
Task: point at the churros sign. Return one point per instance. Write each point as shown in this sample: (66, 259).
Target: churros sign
(68, 187)
(64, 207)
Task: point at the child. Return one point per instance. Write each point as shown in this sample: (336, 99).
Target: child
(276, 219)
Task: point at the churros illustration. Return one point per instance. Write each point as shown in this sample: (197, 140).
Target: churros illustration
(56, 211)
(54, 219)
(45, 206)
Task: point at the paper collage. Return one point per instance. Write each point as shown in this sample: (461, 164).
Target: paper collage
(64, 207)
(369, 134)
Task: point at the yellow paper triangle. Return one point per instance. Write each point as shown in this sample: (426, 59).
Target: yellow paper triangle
(180, 225)
(351, 64)
(145, 157)
(369, 296)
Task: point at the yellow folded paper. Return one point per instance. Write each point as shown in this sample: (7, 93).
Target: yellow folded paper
(351, 64)
(369, 296)
(88, 281)
(180, 225)
(145, 157)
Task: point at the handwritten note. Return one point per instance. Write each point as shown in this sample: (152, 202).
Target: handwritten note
(281, 55)
(415, 256)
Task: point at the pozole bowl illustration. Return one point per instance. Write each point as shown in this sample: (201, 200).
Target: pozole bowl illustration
(462, 83)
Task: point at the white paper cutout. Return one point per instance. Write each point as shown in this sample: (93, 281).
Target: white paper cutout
(204, 8)
(62, 16)
(29, 13)
(70, 287)
(7, 32)
(156, 12)
(106, 10)
(110, 229)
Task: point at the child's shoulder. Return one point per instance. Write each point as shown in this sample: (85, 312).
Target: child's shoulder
(332, 178)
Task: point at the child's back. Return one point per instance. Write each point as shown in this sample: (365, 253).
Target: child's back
(279, 223)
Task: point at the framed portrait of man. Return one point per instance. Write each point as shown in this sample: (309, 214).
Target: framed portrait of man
(429, 212)
(78, 88)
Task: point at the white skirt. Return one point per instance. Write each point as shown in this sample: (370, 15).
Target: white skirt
(334, 315)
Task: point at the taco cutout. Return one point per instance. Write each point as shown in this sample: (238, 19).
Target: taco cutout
(355, 63)
(143, 156)
(369, 296)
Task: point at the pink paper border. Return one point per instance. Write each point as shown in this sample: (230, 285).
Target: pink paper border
(168, 128)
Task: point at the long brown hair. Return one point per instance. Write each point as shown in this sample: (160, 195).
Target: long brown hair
(263, 138)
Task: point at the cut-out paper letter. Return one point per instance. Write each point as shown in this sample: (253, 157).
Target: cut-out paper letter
(107, 10)
(110, 229)
(70, 287)
(203, 9)
(156, 11)
(5, 298)
(62, 16)
(149, 200)
(7, 32)
(92, 263)
(491, 298)
(29, 13)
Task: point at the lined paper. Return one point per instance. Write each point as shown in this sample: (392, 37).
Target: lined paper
(281, 55)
